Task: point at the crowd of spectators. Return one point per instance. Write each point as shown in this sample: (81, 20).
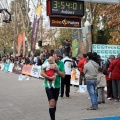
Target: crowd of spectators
(88, 67)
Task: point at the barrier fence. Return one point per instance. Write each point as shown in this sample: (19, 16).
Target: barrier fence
(26, 69)
(34, 71)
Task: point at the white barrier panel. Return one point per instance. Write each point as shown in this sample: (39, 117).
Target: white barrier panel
(10, 69)
(35, 71)
(2, 66)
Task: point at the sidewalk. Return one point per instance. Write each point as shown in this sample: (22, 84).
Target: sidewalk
(26, 100)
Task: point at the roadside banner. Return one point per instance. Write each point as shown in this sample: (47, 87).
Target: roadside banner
(6, 66)
(27, 69)
(75, 74)
(10, 69)
(35, 71)
(104, 118)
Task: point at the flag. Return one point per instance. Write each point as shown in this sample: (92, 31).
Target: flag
(19, 43)
(23, 39)
(35, 27)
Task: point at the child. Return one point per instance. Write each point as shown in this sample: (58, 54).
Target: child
(49, 69)
(101, 83)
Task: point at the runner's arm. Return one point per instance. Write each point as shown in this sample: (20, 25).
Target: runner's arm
(62, 74)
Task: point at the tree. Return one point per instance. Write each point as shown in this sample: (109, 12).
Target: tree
(110, 14)
(21, 20)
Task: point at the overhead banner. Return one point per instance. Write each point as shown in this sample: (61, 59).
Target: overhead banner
(65, 22)
(81, 41)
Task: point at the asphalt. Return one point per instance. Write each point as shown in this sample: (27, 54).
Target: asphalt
(26, 100)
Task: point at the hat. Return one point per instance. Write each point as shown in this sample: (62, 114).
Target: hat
(58, 52)
(111, 57)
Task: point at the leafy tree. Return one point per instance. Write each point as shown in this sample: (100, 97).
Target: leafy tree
(64, 34)
(110, 14)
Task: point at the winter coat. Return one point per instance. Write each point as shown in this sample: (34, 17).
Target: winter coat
(101, 80)
(115, 69)
(91, 70)
(81, 64)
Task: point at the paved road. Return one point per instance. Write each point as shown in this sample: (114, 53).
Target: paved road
(26, 100)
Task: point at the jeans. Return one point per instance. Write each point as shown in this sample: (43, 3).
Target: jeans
(91, 87)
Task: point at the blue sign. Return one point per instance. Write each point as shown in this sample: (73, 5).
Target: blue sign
(105, 118)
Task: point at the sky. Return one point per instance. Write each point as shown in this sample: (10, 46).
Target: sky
(3, 4)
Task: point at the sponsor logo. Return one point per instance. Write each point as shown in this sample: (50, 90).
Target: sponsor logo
(66, 22)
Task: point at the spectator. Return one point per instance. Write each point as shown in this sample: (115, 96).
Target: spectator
(81, 64)
(41, 55)
(66, 81)
(27, 60)
(39, 61)
(74, 62)
(115, 69)
(35, 59)
(101, 83)
(91, 71)
(109, 80)
(67, 47)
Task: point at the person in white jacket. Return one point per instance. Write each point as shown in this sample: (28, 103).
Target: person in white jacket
(101, 83)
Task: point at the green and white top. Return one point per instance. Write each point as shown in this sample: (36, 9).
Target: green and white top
(58, 78)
